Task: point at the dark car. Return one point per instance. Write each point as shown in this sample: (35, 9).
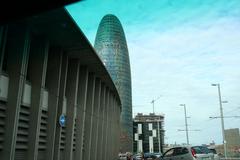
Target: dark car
(152, 156)
(137, 156)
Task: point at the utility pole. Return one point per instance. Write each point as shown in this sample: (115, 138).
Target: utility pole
(153, 101)
(186, 125)
(222, 121)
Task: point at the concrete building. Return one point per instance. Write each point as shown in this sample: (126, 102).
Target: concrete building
(57, 100)
(233, 141)
(148, 133)
(232, 136)
(111, 45)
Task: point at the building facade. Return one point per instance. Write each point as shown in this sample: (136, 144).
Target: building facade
(148, 133)
(57, 100)
(111, 45)
(233, 141)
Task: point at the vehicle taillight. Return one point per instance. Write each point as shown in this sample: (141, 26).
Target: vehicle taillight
(193, 153)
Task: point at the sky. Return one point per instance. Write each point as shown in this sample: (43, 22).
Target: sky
(177, 49)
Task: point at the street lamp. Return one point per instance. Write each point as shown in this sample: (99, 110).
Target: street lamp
(221, 115)
(186, 125)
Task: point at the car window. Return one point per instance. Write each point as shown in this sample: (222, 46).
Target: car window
(205, 149)
(169, 153)
(213, 151)
(180, 151)
(198, 150)
(184, 150)
(201, 150)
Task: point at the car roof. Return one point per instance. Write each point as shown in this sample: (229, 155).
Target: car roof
(181, 146)
(211, 147)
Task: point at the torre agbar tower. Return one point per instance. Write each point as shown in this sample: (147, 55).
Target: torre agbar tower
(111, 45)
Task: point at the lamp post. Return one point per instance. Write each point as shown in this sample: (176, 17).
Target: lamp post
(186, 125)
(222, 121)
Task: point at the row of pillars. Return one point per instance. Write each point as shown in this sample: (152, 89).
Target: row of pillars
(92, 108)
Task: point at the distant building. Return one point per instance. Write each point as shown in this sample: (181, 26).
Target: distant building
(111, 46)
(232, 137)
(233, 141)
(148, 133)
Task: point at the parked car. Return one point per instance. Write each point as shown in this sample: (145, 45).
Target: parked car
(137, 156)
(188, 153)
(148, 156)
(203, 152)
(122, 156)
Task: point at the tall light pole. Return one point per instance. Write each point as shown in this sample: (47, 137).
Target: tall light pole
(222, 121)
(186, 125)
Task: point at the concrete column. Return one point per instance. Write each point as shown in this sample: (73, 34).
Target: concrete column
(101, 123)
(16, 68)
(106, 146)
(114, 129)
(62, 90)
(109, 141)
(37, 72)
(105, 124)
(112, 136)
(95, 120)
(118, 112)
(82, 99)
(88, 117)
(71, 95)
(53, 85)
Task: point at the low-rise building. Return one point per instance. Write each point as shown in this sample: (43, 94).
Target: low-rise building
(233, 141)
(148, 133)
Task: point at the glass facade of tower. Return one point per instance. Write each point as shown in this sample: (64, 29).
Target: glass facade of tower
(110, 44)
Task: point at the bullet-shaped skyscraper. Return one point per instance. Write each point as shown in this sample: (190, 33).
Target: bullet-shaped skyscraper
(111, 45)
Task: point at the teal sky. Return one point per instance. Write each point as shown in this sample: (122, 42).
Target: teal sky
(177, 49)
